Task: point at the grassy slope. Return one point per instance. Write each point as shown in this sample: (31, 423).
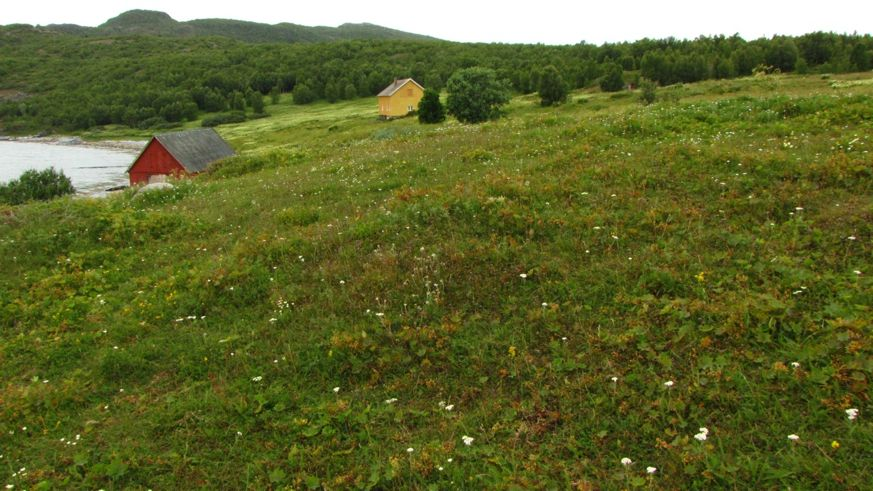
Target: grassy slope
(194, 338)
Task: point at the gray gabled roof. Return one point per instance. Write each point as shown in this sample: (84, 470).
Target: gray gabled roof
(396, 85)
(194, 149)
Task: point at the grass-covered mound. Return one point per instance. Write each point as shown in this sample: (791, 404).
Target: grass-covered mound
(345, 303)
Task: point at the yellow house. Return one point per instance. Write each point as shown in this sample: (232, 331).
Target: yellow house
(400, 98)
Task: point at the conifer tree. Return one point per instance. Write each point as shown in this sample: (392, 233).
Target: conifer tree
(430, 109)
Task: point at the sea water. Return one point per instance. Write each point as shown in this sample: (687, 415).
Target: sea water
(92, 170)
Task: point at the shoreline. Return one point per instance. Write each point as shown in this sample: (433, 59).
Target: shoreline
(130, 146)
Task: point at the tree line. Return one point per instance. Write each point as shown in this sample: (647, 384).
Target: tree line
(72, 83)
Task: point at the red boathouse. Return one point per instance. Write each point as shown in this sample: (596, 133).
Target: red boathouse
(182, 153)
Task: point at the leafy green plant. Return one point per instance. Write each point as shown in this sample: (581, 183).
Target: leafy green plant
(34, 185)
(648, 91)
(226, 118)
(553, 89)
(430, 109)
(613, 79)
(476, 95)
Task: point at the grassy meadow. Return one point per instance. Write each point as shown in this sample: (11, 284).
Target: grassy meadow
(522, 304)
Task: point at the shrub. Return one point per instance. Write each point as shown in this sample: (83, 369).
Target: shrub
(476, 95)
(36, 185)
(303, 94)
(553, 89)
(256, 102)
(430, 109)
(225, 118)
(152, 122)
(647, 94)
(613, 80)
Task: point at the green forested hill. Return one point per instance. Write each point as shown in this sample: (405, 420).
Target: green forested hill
(154, 23)
(55, 80)
(522, 304)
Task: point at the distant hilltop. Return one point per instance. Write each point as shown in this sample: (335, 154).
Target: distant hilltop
(154, 23)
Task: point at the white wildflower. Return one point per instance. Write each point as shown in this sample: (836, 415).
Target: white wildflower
(450, 407)
(410, 450)
(626, 461)
(614, 379)
(651, 470)
(257, 379)
(468, 440)
(793, 437)
(795, 364)
(523, 275)
(336, 390)
(391, 401)
(668, 383)
(852, 413)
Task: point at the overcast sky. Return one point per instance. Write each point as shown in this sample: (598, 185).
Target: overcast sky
(538, 21)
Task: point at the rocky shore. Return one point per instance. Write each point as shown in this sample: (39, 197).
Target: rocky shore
(120, 145)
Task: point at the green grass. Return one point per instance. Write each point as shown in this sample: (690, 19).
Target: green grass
(193, 338)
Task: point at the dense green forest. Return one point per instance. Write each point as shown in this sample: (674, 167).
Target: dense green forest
(67, 82)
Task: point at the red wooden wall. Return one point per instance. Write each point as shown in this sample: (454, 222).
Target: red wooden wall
(155, 160)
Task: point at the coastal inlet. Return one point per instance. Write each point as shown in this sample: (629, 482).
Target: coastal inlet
(92, 167)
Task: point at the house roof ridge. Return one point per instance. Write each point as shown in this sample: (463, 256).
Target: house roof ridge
(396, 85)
